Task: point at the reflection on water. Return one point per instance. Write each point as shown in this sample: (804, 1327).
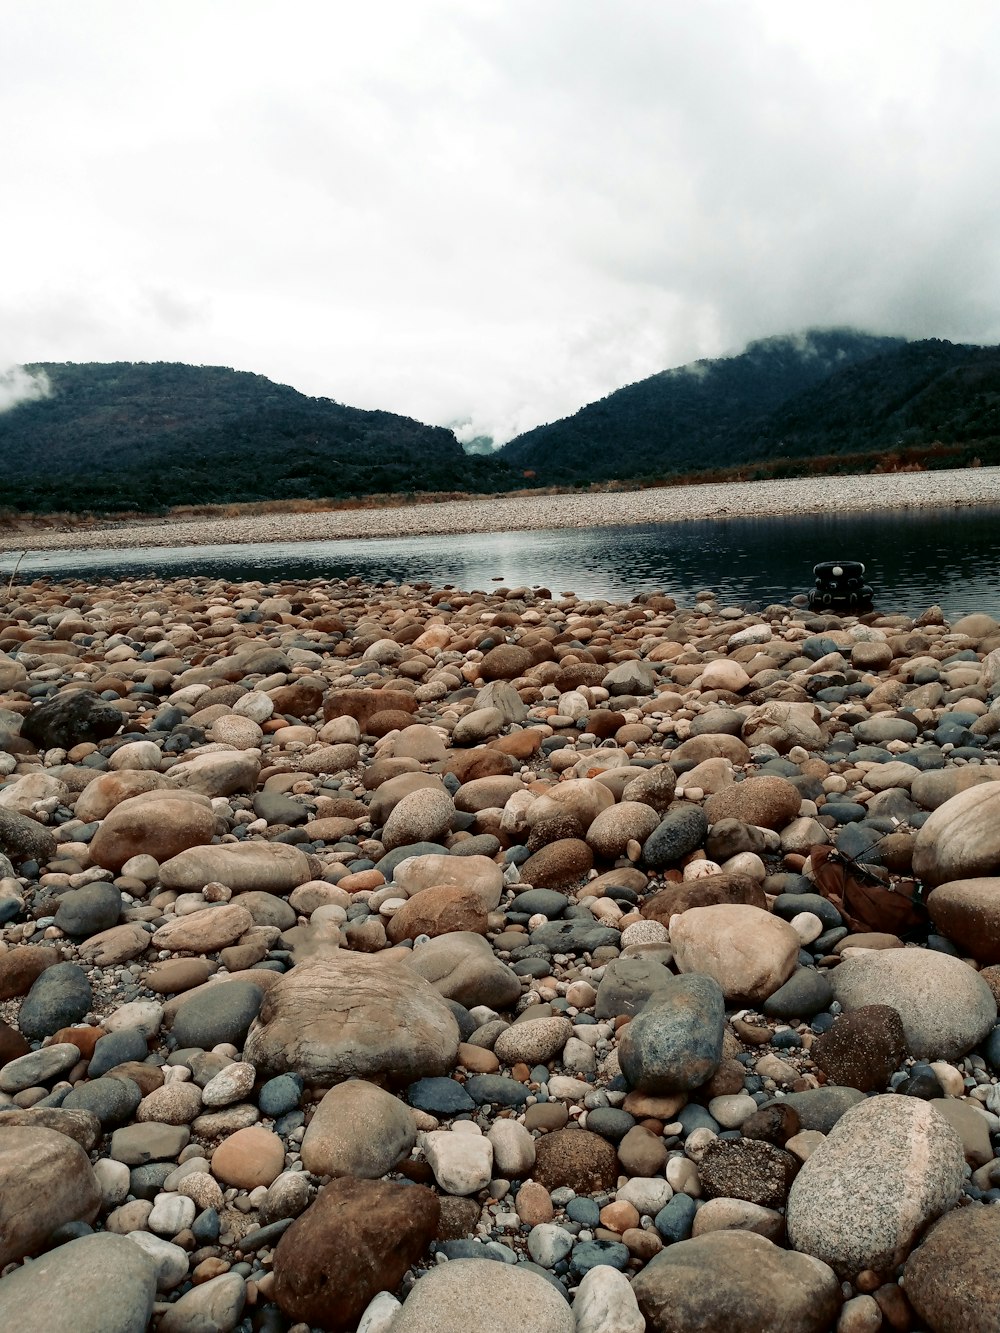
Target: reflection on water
(914, 558)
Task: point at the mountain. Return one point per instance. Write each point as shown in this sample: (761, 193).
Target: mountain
(133, 435)
(822, 392)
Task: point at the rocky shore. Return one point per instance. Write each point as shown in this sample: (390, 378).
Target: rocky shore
(402, 958)
(504, 513)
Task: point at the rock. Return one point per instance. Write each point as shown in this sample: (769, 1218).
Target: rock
(214, 1306)
(267, 867)
(577, 1158)
(804, 994)
(220, 773)
(46, 1181)
(357, 1130)
(463, 967)
(70, 718)
(967, 911)
(749, 952)
(94, 1282)
(159, 825)
(59, 997)
(120, 944)
(206, 931)
(477, 875)
(250, 1157)
(357, 1239)
(888, 1167)
(767, 802)
(946, 1007)
(506, 1299)
(675, 1043)
(863, 1048)
(961, 839)
(424, 815)
(749, 1169)
(87, 911)
(81, 1126)
(950, 1278)
(682, 830)
(20, 968)
(605, 1303)
(614, 828)
(136, 1145)
(220, 1013)
(535, 1041)
(462, 1163)
(442, 910)
(559, 864)
(576, 936)
(24, 839)
(703, 892)
(735, 1279)
(354, 1017)
(513, 1149)
(42, 1066)
(629, 984)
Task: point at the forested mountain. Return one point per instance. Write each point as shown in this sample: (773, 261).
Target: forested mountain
(133, 435)
(825, 392)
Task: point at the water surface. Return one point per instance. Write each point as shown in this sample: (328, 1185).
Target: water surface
(915, 558)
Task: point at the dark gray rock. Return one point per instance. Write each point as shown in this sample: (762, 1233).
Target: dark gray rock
(675, 1043)
(60, 997)
(219, 1014)
(277, 808)
(112, 1100)
(485, 1089)
(806, 992)
(821, 1108)
(115, 1048)
(24, 839)
(439, 1096)
(629, 984)
(87, 911)
(575, 936)
(72, 718)
(681, 831)
(547, 901)
(280, 1095)
(789, 905)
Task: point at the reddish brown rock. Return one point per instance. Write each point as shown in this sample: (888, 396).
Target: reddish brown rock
(362, 704)
(437, 911)
(300, 699)
(558, 864)
(12, 1044)
(357, 1239)
(577, 1158)
(20, 968)
(768, 802)
(724, 888)
(157, 826)
(506, 662)
(863, 1048)
(485, 761)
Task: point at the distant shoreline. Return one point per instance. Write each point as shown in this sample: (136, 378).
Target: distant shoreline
(965, 487)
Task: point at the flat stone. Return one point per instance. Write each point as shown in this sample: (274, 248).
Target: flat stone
(101, 1282)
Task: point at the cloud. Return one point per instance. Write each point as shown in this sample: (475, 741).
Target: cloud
(493, 213)
(18, 385)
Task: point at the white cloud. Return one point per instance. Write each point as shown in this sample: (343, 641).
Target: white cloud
(18, 385)
(493, 212)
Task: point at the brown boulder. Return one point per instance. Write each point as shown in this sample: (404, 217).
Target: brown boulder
(968, 912)
(362, 704)
(485, 761)
(863, 1048)
(100, 797)
(768, 802)
(724, 888)
(437, 911)
(357, 1239)
(506, 662)
(300, 699)
(951, 1277)
(159, 826)
(751, 1169)
(558, 864)
(577, 1158)
(46, 1180)
(20, 968)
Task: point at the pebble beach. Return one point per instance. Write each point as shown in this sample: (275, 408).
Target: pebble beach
(388, 959)
(502, 513)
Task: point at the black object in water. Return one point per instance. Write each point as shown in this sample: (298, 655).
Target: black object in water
(840, 586)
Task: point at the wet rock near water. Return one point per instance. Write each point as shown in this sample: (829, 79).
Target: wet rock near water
(373, 955)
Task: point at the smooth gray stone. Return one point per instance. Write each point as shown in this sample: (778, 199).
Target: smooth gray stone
(97, 1284)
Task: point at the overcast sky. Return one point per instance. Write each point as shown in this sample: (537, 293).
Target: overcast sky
(490, 212)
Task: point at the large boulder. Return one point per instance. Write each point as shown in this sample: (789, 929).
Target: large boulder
(505, 1299)
(749, 952)
(157, 825)
(674, 1044)
(462, 966)
(968, 912)
(738, 1280)
(359, 1130)
(70, 718)
(951, 1276)
(888, 1167)
(353, 1016)
(946, 1006)
(357, 1239)
(267, 867)
(961, 839)
(96, 1284)
(46, 1180)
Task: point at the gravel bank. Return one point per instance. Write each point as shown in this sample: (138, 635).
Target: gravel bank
(799, 495)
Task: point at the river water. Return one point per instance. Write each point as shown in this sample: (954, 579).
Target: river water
(914, 558)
